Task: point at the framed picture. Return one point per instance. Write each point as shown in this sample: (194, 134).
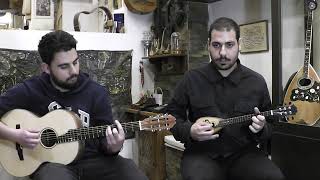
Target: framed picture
(42, 9)
(254, 37)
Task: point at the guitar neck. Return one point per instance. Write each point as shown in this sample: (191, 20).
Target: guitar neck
(94, 132)
(308, 44)
(241, 119)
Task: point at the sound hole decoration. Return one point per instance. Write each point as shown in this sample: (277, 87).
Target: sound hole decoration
(48, 138)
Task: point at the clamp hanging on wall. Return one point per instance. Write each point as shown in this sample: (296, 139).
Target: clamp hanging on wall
(108, 24)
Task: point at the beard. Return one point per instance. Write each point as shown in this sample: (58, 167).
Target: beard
(222, 63)
(69, 84)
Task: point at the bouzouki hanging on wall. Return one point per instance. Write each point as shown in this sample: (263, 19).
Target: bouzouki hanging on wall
(304, 89)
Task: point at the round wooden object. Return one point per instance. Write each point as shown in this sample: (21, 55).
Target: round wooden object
(141, 6)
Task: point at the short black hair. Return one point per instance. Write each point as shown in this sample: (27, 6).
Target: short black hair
(224, 24)
(55, 42)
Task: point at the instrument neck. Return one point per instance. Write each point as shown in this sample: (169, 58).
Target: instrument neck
(94, 132)
(308, 44)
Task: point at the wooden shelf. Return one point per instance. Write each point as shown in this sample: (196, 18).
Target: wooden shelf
(204, 1)
(142, 113)
(169, 64)
(163, 56)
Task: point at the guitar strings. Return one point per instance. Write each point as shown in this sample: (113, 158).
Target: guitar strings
(87, 131)
(75, 134)
(95, 129)
(240, 119)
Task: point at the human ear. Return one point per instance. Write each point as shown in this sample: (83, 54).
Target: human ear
(239, 44)
(45, 68)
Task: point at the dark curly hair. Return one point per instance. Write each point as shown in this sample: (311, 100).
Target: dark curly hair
(55, 42)
(224, 24)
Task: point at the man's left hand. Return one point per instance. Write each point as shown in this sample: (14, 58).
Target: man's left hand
(115, 138)
(258, 122)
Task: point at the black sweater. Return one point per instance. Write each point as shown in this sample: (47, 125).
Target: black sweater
(89, 100)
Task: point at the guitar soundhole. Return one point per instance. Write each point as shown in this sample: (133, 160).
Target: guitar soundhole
(48, 138)
(304, 82)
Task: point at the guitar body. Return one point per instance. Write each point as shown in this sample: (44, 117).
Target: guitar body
(59, 120)
(141, 6)
(298, 89)
(214, 121)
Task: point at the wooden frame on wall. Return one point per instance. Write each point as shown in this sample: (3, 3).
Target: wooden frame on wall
(42, 15)
(42, 9)
(254, 37)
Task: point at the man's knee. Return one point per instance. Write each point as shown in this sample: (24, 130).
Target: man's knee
(53, 171)
(189, 172)
(194, 176)
(131, 169)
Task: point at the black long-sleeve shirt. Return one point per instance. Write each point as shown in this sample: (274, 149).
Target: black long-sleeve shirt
(205, 92)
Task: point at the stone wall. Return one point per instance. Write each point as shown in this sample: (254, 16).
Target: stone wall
(198, 34)
(195, 36)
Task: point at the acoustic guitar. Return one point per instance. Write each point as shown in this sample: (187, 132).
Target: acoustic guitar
(219, 123)
(303, 90)
(141, 6)
(60, 138)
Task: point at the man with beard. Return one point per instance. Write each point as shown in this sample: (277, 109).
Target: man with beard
(223, 88)
(63, 86)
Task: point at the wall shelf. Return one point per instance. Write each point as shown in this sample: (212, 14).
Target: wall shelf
(204, 1)
(166, 64)
(163, 56)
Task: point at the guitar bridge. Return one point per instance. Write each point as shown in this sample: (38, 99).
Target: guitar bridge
(19, 147)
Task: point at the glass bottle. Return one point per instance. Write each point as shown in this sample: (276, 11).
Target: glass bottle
(175, 42)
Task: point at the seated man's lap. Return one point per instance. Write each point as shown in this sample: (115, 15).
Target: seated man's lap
(102, 167)
(199, 166)
(254, 166)
(109, 167)
(251, 165)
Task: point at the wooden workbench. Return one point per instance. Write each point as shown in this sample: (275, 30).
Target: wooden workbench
(150, 146)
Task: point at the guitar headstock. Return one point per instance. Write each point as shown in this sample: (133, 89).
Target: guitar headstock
(158, 123)
(286, 110)
(311, 4)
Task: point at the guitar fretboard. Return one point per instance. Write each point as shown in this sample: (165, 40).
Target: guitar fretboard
(94, 132)
(241, 119)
